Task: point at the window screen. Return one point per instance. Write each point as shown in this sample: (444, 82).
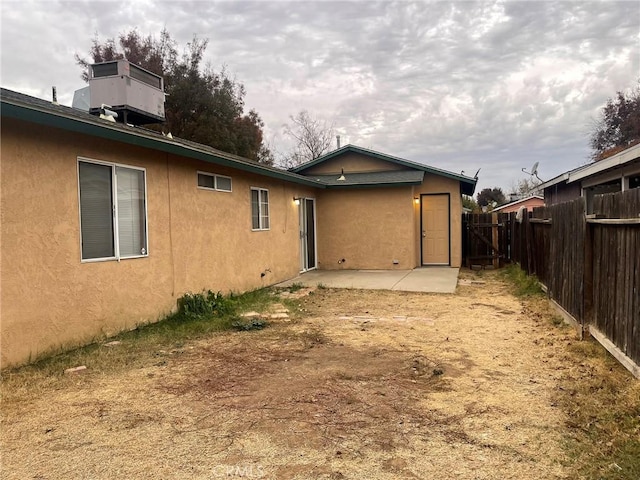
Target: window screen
(96, 212)
(223, 183)
(112, 196)
(206, 181)
(131, 212)
(214, 182)
(259, 209)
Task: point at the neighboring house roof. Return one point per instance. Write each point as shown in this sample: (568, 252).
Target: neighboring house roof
(585, 171)
(468, 184)
(518, 202)
(31, 109)
(373, 179)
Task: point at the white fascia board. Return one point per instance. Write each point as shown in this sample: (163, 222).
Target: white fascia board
(553, 181)
(621, 158)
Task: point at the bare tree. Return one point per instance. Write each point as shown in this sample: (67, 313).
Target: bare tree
(313, 138)
(524, 187)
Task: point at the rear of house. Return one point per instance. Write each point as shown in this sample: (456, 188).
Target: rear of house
(105, 225)
(383, 212)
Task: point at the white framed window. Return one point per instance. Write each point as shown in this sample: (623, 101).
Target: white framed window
(113, 211)
(259, 208)
(210, 181)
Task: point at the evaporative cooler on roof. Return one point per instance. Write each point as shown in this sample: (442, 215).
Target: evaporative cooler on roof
(136, 94)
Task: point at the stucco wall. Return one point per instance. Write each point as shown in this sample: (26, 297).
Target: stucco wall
(352, 162)
(368, 227)
(197, 239)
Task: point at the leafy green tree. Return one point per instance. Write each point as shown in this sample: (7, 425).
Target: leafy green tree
(201, 105)
(491, 198)
(470, 203)
(618, 126)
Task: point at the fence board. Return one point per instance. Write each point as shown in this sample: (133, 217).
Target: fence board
(592, 270)
(616, 272)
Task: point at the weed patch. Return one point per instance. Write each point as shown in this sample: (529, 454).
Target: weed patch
(294, 287)
(197, 316)
(205, 304)
(525, 285)
(246, 325)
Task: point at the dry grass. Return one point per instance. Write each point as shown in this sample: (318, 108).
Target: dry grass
(362, 384)
(601, 401)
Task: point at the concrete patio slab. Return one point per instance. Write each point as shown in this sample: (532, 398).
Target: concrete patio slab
(425, 279)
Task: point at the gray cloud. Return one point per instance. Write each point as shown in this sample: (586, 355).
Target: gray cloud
(458, 85)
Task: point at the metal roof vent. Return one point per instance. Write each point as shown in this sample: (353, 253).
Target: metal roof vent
(135, 94)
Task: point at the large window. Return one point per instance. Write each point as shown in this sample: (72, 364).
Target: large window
(259, 209)
(113, 211)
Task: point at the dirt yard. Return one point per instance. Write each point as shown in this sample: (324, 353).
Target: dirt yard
(357, 385)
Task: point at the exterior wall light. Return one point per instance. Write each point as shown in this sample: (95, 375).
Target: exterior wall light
(416, 200)
(296, 200)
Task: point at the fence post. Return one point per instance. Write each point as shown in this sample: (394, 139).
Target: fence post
(528, 243)
(494, 240)
(587, 314)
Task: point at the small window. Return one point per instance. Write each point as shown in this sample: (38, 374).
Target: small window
(113, 211)
(223, 183)
(259, 209)
(210, 181)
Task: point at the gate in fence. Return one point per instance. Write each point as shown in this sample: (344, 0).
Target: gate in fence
(486, 239)
(589, 264)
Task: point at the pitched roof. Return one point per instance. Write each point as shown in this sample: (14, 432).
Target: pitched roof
(31, 109)
(467, 184)
(373, 179)
(619, 159)
(516, 202)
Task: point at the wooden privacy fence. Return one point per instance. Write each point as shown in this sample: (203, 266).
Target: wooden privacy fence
(589, 264)
(613, 301)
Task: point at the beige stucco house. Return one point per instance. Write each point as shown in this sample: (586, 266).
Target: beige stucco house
(104, 225)
(383, 212)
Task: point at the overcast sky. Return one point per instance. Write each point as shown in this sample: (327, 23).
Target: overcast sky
(457, 85)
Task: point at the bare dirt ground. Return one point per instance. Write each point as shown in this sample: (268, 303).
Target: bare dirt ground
(359, 385)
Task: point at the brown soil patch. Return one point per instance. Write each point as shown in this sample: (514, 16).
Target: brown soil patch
(367, 385)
